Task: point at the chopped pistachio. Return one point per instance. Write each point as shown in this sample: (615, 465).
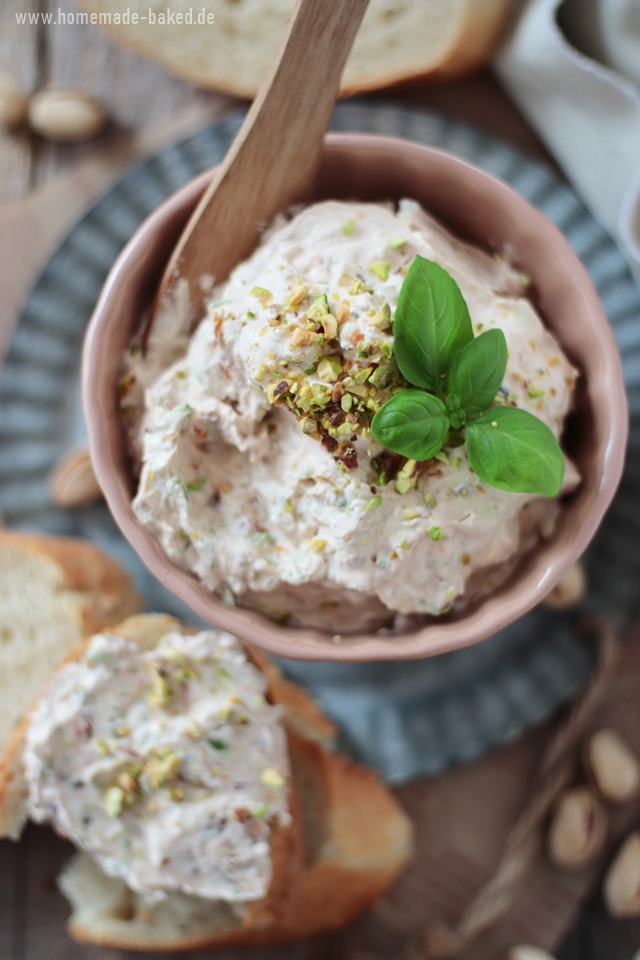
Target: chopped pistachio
(317, 544)
(251, 314)
(430, 500)
(261, 293)
(346, 429)
(358, 390)
(373, 503)
(381, 269)
(102, 747)
(329, 325)
(408, 514)
(277, 389)
(442, 457)
(536, 392)
(299, 294)
(272, 778)
(382, 319)
(359, 287)
(386, 348)
(407, 477)
(160, 690)
(161, 770)
(113, 801)
(321, 394)
(304, 338)
(348, 227)
(288, 507)
(361, 376)
(382, 376)
(319, 308)
(435, 533)
(329, 369)
(346, 402)
(309, 426)
(342, 312)
(261, 810)
(396, 242)
(128, 783)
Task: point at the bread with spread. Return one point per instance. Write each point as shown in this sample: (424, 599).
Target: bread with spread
(54, 592)
(203, 793)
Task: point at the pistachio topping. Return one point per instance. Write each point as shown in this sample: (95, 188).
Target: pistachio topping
(261, 293)
(285, 402)
(381, 269)
(203, 783)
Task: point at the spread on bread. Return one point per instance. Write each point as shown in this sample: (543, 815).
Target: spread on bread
(167, 765)
(259, 472)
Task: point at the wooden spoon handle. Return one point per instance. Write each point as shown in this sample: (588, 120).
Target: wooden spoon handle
(274, 158)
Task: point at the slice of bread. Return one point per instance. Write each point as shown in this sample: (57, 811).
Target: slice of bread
(347, 842)
(399, 40)
(54, 592)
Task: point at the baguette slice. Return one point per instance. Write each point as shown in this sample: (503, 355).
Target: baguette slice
(348, 841)
(399, 40)
(54, 592)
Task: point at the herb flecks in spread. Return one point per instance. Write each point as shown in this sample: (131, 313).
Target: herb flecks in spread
(167, 765)
(260, 472)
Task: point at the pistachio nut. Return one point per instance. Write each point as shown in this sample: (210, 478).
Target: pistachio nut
(621, 888)
(578, 828)
(612, 767)
(72, 482)
(569, 590)
(65, 115)
(524, 952)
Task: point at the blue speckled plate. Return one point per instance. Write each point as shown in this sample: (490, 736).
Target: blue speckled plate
(404, 718)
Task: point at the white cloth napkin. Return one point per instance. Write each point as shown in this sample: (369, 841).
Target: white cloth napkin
(586, 110)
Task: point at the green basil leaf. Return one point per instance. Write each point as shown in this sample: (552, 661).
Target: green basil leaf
(513, 450)
(412, 423)
(477, 371)
(431, 325)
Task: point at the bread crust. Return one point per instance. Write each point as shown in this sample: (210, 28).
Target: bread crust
(107, 590)
(482, 27)
(105, 595)
(316, 886)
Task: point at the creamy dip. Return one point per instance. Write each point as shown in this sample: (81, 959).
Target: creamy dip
(258, 470)
(168, 766)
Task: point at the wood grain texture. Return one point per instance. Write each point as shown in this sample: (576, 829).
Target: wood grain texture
(273, 161)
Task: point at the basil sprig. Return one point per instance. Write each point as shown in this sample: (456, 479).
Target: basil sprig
(458, 376)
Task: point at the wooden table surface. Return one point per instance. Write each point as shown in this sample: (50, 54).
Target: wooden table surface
(140, 97)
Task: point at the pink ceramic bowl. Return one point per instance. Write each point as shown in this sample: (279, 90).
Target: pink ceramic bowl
(479, 208)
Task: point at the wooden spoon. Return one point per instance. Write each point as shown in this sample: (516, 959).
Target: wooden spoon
(274, 159)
